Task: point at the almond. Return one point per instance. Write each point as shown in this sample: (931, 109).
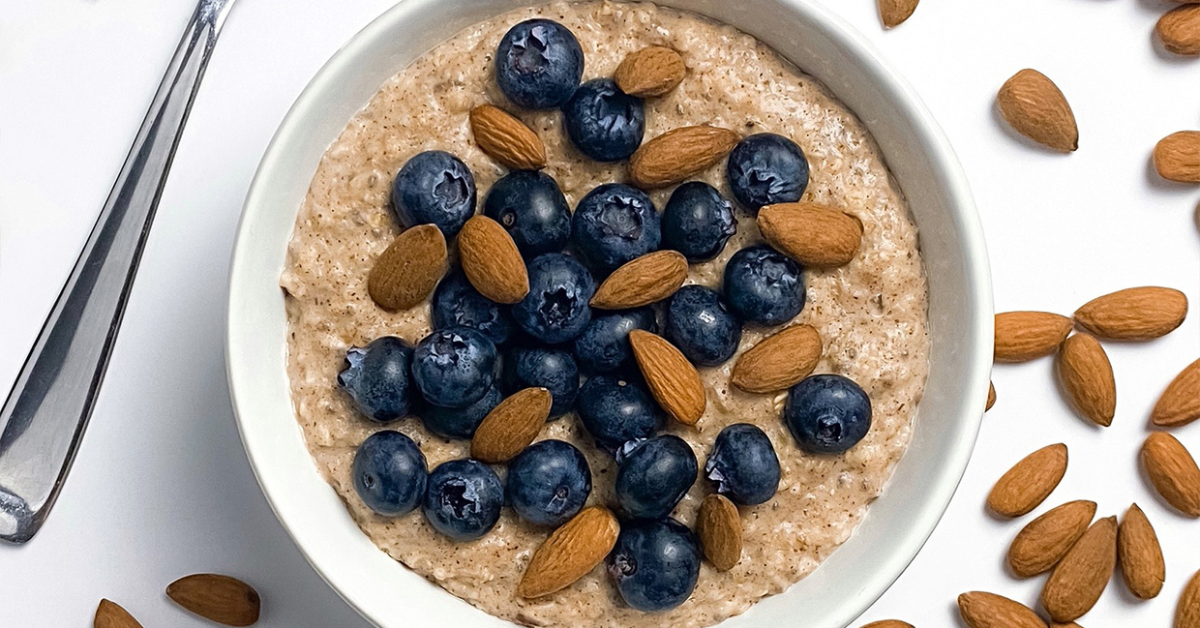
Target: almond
(217, 598)
(779, 360)
(889, 623)
(1179, 30)
(895, 12)
(491, 261)
(1173, 472)
(672, 380)
(642, 281)
(1024, 336)
(988, 610)
(1029, 482)
(1134, 313)
(111, 615)
(506, 139)
(570, 552)
(511, 426)
(409, 269)
(991, 400)
(720, 530)
(1087, 378)
(1187, 614)
(1177, 157)
(651, 71)
(1040, 545)
(1035, 108)
(1077, 581)
(678, 154)
(1140, 554)
(811, 234)
(1180, 402)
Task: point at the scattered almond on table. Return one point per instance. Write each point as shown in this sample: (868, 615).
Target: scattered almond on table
(111, 615)
(1177, 157)
(1081, 576)
(1180, 402)
(988, 610)
(1087, 378)
(1035, 107)
(896, 12)
(1172, 472)
(1140, 554)
(222, 599)
(1029, 482)
(1039, 546)
(1179, 30)
(1025, 336)
(1187, 614)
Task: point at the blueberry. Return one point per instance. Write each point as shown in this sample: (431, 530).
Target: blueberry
(530, 206)
(460, 423)
(389, 473)
(456, 303)
(655, 564)
(556, 308)
(744, 465)
(548, 482)
(377, 378)
(463, 499)
(604, 344)
(539, 64)
(763, 286)
(697, 221)
(764, 169)
(616, 410)
(544, 367)
(653, 475)
(827, 414)
(604, 122)
(613, 224)
(454, 367)
(434, 187)
(700, 324)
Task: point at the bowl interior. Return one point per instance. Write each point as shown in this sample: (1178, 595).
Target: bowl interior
(922, 162)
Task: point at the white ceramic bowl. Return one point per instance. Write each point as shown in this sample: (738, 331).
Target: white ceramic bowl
(391, 596)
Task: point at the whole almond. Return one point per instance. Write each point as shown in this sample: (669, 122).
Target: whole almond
(1024, 336)
(408, 271)
(570, 552)
(642, 281)
(1177, 157)
(988, 610)
(217, 598)
(111, 615)
(651, 71)
(811, 234)
(1080, 577)
(1134, 313)
(1179, 30)
(506, 139)
(1140, 554)
(678, 154)
(1035, 108)
(895, 12)
(991, 400)
(511, 426)
(672, 380)
(1040, 545)
(779, 360)
(1029, 482)
(1187, 614)
(1173, 472)
(1087, 378)
(491, 261)
(889, 623)
(1180, 402)
(720, 530)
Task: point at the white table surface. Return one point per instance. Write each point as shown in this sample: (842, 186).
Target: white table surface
(162, 487)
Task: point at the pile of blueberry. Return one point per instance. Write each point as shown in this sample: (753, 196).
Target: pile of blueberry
(481, 351)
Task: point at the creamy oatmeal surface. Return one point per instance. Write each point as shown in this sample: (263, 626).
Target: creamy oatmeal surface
(871, 314)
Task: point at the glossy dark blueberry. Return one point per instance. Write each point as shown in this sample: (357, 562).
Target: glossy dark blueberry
(653, 475)
(603, 122)
(530, 206)
(827, 414)
(454, 367)
(767, 168)
(377, 378)
(434, 187)
(655, 564)
(744, 465)
(763, 286)
(613, 224)
(463, 499)
(548, 483)
(604, 344)
(456, 303)
(389, 473)
(615, 410)
(697, 221)
(539, 64)
(460, 423)
(556, 308)
(544, 367)
(700, 324)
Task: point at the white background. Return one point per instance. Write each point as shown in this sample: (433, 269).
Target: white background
(162, 488)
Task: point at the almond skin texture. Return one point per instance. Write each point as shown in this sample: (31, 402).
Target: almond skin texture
(218, 598)
(678, 154)
(1140, 554)
(988, 610)
(408, 271)
(506, 139)
(889, 623)
(111, 615)
(1187, 614)
(1179, 30)
(1078, 580)
(778, 361)
(570, 552)
(645, 280)
(511, 426)
(811, 234)
(1134, 313)
(1173, 472)
(1035, 108)
(651, 71)
(991, 400)
(491, 261)
(1177, 157)
(1180, 402)
(895, 12)
(1029, 482)
(720, 530)
(1024, 336)
(1040, 545)
(1087, 377)
(672, 380)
